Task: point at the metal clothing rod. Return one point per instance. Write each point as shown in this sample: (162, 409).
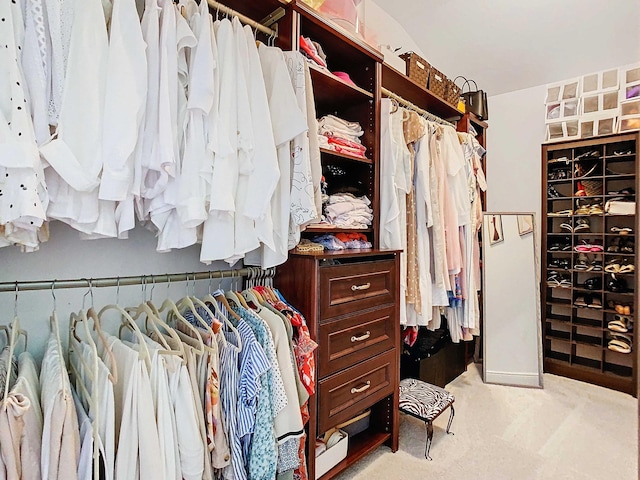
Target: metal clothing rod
(134, 280)
(408, 104)
(243, 18)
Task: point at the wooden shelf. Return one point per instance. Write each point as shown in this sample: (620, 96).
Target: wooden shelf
(343, 156)
(359, 446)
(410, 90)
(331, 90)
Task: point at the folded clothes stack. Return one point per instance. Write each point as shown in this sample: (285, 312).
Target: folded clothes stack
(313, 51)
(343, 241)
(341, 136)
(346, 210)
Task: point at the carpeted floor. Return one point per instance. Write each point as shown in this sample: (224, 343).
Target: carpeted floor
(568, 430)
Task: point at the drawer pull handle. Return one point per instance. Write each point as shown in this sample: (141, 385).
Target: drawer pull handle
(361, 338)
(361, 389)
(366, 286)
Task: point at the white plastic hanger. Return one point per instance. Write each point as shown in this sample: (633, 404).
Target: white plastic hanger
(173, 312)
(152, 317)
(13, 333)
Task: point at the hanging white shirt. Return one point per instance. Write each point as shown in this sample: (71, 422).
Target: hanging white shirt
(124, 107)
(288, 122)
(23, 195)
(245, 237)
(303, 202)
(218, 236)
(36, 66)
(75, 154)
(197, 159)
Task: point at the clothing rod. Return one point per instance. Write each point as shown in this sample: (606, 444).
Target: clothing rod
(134, 280)
(417, 109)
(243, 18)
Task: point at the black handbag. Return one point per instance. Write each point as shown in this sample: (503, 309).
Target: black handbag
(475, 100)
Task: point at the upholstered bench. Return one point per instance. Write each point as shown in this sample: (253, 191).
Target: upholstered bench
(426, 402)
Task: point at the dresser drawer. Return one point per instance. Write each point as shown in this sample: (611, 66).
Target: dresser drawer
(345, 394)
(351, 340)
(352, 287)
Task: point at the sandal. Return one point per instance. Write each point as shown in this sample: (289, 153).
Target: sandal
(561, 213)
(566, 226)
(613, 266)
(626, 246)
(627, 268)
(614, 246)
(581, 264)
(580, 302)
(595, 303)
(622, 230)
(596, 209)
(620, 344)
(620, 324)
(582, 224)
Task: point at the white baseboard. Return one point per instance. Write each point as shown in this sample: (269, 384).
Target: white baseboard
(514, 379)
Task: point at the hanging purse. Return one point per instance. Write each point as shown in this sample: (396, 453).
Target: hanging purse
(475, 100)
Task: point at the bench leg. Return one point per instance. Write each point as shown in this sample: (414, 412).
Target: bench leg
(427, 447)
(450, 420)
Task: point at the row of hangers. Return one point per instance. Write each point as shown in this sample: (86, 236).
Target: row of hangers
(85, 326)
(229, 14)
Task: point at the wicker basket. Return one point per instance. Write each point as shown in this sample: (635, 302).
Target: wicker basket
(417, 68)
(592, 188)
(452, 93)
(437, 82)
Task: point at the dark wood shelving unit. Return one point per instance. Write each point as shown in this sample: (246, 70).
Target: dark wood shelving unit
(575, 336)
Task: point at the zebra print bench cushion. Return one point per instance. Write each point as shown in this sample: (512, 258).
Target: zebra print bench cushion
(423, 400)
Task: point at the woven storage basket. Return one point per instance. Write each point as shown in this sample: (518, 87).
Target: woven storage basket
(592, 188)
(417, 68)
(437, 82)
(452, 93)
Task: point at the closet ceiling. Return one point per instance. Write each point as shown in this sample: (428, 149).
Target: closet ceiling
(508, 45)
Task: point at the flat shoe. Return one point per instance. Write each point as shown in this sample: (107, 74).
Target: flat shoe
(622, 230)
(617, 326)
(596, 210)
(580, 302)
(620, 344)
(595, 303)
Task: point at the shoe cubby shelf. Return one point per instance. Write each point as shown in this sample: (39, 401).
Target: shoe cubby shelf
(579, 304)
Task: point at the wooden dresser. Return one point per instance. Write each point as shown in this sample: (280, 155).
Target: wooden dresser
(350, 302)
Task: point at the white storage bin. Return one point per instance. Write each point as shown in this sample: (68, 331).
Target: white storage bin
(630, 91)
(564, 130)
(599, 103)
(605, 80)
(565, 110)
(630, 107)
(601, 124)
(630, 122)
(630, 74)
(571, 89)
(330, 457)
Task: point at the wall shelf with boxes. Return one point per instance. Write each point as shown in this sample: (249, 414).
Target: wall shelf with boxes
(589, 245)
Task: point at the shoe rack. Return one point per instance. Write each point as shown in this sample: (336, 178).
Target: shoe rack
(589, 263)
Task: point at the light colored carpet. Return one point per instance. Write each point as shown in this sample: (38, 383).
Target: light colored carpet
(568, 430)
